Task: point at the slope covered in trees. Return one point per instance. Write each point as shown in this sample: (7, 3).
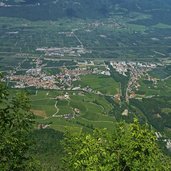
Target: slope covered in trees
(53, 10)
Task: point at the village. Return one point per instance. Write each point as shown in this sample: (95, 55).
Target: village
(64, 80)
(135, 71)
(35, 77)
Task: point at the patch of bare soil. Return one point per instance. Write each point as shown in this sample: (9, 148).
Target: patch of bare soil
(39, 113)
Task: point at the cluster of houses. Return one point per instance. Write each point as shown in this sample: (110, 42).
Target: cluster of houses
(36, 77)
(135, 70)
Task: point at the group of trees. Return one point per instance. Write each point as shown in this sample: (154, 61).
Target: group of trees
(16, 123)
(129, 147)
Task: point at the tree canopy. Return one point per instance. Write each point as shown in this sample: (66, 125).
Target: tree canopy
(130, 147)
(16, 122)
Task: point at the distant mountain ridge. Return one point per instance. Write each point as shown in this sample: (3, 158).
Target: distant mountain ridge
(54, 9)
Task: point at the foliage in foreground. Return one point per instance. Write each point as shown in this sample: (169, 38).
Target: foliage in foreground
(16, 122)
(48, 148)
(129, 148)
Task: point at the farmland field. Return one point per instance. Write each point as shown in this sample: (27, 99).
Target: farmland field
(93, 109)
(104, 84)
